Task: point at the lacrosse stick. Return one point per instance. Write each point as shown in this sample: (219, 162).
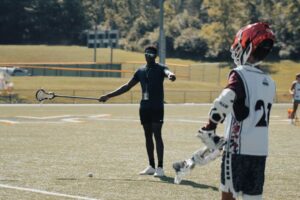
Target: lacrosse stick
(42, 95)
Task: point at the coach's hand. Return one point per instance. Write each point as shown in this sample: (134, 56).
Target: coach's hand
(172, 77)
(103, 98)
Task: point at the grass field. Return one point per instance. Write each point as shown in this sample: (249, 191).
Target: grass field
(180, 91)
(175, 92)
(283, 72)
(57, 54)
(207, 79)
(48, 150)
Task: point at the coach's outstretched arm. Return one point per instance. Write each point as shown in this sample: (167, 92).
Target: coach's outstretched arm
(124, 88)
(171, 76)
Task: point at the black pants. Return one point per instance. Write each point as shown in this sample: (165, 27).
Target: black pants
(295, 107)
(152, 121)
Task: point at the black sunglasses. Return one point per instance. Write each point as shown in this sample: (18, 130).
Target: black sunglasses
(150, 54)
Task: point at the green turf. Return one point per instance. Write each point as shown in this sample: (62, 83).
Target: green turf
(176, 92)
(49, 153)
(192, 84)
(180, 91)
(57, 54)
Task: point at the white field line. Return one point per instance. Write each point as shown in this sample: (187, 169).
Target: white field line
(69, 119)
(9, 122)
(64, 116)
(43, 118)
(45, 192)
(99, 116)
(73, 120)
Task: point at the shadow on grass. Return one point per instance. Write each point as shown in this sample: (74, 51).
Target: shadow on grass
(170, 180)
(165, 180)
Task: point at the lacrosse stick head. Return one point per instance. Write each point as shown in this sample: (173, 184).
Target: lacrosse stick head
(42, 95)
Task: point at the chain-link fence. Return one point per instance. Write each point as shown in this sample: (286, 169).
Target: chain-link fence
(211, 73)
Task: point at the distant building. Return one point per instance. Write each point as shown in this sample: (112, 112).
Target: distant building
(103, 39)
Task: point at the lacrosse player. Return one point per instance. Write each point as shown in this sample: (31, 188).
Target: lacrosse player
(151, 77)
(295, 92)
(245, 105)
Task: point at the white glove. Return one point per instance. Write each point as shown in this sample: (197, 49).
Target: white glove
(210, 139)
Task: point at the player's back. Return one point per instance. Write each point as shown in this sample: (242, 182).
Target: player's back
(253, 130)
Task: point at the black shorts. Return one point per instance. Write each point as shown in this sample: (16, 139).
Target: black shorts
(296, 101)
(247, 173)
(151, 115)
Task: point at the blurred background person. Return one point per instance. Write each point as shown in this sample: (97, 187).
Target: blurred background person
(295, 92)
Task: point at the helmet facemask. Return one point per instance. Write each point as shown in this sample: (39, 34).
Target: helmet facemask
(255, 40)
(238, 54)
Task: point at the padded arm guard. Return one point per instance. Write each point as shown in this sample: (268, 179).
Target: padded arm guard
(222, 106)
(205, 156)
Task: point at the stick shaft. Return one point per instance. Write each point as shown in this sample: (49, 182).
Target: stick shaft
(75, 97)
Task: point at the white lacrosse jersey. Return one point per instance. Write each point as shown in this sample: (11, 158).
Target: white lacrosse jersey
(297, 91)
(250, 136)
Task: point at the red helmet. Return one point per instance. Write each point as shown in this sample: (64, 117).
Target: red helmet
(254, 39)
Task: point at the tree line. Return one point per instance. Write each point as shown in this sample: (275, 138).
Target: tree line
(194, 29)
